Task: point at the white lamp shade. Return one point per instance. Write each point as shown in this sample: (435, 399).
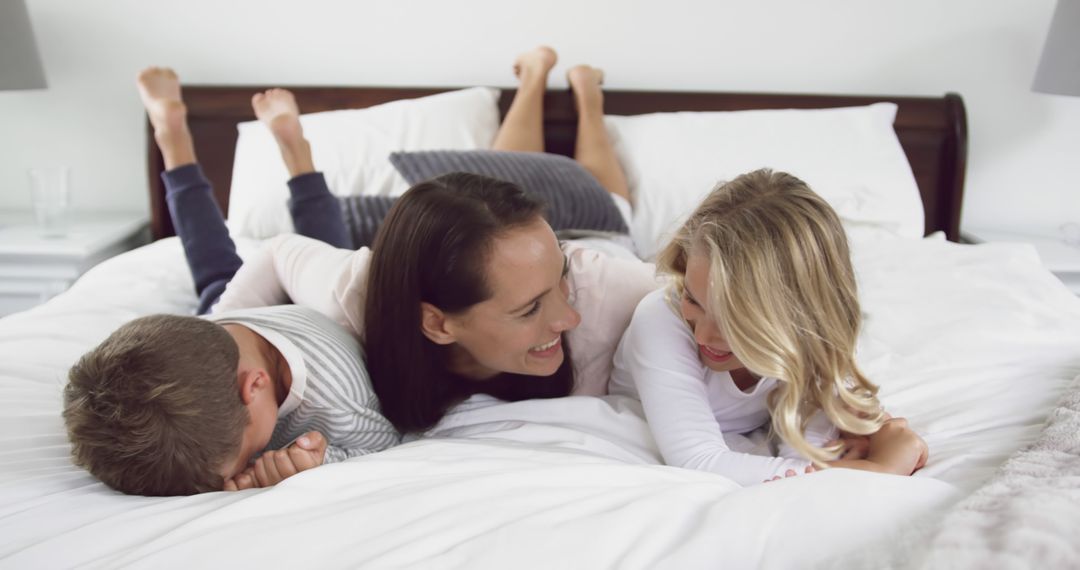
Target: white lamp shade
(20, 65)
(1059, 68)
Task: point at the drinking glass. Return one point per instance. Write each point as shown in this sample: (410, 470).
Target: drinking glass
(51, 197)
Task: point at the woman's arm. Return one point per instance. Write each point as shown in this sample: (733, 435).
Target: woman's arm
(604, 290)
(304, 271)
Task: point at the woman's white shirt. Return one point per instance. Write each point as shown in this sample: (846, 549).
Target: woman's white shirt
(689, 407)
(291, 268)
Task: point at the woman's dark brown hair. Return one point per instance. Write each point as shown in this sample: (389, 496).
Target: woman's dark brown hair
(433, 247)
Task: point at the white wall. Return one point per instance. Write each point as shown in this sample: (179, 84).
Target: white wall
(1024, 162)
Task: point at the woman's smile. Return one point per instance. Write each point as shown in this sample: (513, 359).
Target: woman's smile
(548, 349)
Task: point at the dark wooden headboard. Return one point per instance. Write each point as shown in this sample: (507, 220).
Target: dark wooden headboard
(932, 130)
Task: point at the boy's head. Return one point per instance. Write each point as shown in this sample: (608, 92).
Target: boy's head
(156, 409)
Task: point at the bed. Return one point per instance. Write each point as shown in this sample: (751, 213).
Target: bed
(976, 344)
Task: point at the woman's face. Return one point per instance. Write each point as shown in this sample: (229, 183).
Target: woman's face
(519, 329)
(713, 348)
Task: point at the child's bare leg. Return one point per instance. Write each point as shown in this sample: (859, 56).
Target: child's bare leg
(210, 253)
(159, 89)
(277, 109)
(523, 127)
(315, 212)
(593, 149)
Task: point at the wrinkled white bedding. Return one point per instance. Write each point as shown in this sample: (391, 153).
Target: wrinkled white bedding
(1025, 516)
(973, 344)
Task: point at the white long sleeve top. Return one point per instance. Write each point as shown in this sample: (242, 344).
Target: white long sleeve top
(689, 407)
(604, 289)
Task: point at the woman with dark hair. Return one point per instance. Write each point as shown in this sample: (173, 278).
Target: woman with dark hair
(488, 287)
(466, 289)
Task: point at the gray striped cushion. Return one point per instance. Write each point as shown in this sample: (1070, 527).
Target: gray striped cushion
(363, 214)
(575, 200)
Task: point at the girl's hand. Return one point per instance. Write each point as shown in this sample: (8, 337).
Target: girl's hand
(791, 473)
(897, 448)
(854, 446)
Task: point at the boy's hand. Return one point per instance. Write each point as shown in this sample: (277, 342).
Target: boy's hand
(272, 467)
(309, 450)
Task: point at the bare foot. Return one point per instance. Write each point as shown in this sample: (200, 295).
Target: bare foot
(585, 82)
(159, 89)
(535, 64)
(277, 109)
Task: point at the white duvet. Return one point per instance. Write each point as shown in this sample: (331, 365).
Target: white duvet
(972, 343)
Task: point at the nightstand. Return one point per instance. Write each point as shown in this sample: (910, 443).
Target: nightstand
(34, 268)
(1062, 259)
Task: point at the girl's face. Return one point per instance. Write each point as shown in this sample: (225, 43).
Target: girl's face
(519, 329)
(713, 349)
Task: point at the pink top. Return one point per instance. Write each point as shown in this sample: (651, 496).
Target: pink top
(292, 268)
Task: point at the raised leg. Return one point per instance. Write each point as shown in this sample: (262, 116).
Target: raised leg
(277, 109)
(523, 127)
(316, 212)
(210, 252)
(159, 89)
(593, 149)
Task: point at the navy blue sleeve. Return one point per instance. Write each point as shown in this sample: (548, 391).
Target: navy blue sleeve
(210, 252)
(316, 213)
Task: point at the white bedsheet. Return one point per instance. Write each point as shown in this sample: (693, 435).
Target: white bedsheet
(972, 343)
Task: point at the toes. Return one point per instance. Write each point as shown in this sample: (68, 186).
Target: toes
(582, 75)
(145, 75)
(541, 58)
(150, 72)
(548, 53)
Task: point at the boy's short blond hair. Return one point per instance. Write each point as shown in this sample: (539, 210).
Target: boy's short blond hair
(155, 409)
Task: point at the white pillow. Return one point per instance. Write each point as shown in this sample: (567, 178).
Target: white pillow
(850, 156)
(352, 148)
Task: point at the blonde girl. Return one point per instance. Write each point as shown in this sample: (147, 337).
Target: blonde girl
(759, 325)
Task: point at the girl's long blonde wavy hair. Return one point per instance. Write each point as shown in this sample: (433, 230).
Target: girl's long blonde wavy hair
(782, 290)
